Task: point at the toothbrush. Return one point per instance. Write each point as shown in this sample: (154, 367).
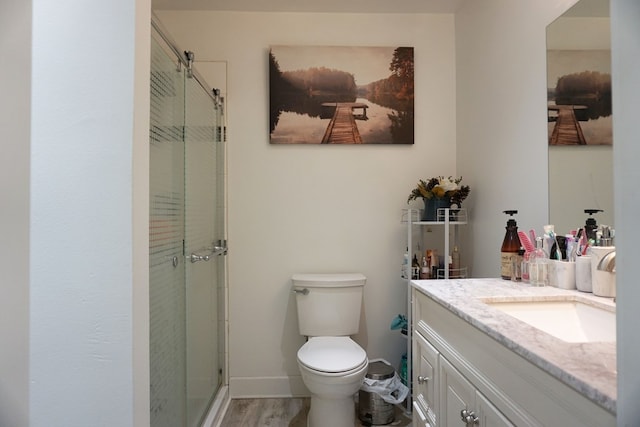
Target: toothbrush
(532, 234)
(549, 233)
(571, 247)
(558, 254)
(579, 241)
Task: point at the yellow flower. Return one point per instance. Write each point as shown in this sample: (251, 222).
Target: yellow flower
(438, 192)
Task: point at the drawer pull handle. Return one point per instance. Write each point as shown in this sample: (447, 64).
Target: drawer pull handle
(469, 418)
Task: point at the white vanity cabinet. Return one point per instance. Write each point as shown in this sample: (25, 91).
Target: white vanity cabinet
(463, 377)
(443, 396)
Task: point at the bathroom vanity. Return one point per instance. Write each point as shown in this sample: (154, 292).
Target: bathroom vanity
(490, 352)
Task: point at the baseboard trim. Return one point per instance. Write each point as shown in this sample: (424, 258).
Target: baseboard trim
(263, 387)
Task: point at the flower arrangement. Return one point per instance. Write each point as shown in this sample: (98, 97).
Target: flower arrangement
(441, 188)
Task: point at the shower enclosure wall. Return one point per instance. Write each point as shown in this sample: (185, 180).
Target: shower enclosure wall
(186, 239)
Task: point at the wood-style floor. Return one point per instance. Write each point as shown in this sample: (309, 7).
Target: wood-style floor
(285, 412)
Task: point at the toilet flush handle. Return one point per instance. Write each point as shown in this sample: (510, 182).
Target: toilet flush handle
(304, 291)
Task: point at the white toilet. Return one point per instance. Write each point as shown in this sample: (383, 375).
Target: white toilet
(333, 366)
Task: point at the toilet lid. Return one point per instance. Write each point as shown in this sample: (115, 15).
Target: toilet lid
(331, 354)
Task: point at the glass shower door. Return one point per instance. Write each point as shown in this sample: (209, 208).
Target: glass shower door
(204, 249)
(167, 299)
(186, 244)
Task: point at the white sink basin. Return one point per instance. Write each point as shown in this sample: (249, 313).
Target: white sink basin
(569, 320)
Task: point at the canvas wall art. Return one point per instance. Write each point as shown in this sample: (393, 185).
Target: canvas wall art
(341, 95)
(579, 97)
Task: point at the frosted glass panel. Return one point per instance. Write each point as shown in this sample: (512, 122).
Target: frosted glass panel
(203, 366)
(167, 278)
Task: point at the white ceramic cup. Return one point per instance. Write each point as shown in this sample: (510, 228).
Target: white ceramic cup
(583, 273)
(562, 274)
(602, 282)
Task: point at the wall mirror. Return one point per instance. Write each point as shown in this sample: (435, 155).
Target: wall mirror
(580, 164)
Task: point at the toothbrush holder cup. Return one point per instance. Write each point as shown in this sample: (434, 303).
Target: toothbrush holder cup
(603, 282)
(562, 274)
(583, 273)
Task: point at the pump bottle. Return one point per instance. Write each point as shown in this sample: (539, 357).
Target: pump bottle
(590, 225)
(510, 247)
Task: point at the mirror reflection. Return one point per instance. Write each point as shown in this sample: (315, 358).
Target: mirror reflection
(579, 116)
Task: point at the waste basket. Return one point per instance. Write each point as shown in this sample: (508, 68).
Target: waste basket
(372, 408)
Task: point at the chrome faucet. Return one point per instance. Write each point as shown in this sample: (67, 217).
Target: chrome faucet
(608, 262)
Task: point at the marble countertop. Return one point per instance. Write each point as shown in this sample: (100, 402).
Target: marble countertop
(589, 367)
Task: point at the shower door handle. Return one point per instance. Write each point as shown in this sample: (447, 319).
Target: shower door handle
(218, 248)
(195, 257)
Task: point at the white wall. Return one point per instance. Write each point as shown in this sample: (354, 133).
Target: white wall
(15, 46)
(316, 208)
(73, 160)
(502, 118)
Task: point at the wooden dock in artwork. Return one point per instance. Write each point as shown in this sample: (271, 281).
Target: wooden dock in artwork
(342, 129)
(567, 130)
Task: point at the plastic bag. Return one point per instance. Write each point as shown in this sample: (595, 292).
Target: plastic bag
(391, 390)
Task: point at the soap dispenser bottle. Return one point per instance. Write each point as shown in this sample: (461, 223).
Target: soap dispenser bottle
(590, 226)
(510, 247)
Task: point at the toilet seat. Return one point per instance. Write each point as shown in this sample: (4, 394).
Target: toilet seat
(332, 355)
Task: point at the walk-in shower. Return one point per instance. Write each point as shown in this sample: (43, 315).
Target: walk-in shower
(187, 241)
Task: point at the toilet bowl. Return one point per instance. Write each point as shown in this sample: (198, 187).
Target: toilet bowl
(332, 365)
(333, 369)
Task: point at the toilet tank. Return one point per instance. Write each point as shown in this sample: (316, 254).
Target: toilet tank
(330, 305)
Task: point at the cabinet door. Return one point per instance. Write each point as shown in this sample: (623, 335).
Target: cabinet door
(425, 377)
(489, 414)
(456, 394)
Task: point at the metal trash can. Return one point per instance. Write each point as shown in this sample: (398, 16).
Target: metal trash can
(372, 409)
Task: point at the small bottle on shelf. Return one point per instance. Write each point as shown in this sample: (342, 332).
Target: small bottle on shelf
(415, 267)
(406, 267)
(455, 259)
(434, 263)
(424, 271)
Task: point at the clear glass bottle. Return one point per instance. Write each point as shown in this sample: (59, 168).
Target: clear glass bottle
(516, 268)
(539, 266)
(524, 270)
(424, 271)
